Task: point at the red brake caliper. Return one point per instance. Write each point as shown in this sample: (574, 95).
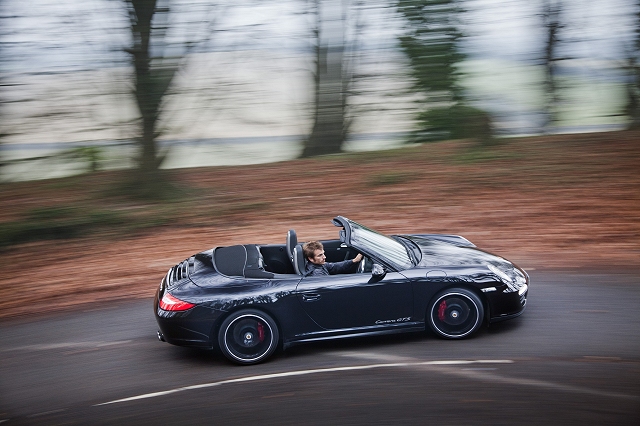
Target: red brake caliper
(261, 332)
(441, 309)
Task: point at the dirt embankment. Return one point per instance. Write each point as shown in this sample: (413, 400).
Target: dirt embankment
(553, 202)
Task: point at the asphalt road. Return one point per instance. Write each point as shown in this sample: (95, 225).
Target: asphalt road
(572, 358)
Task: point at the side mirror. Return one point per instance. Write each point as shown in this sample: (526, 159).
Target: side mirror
(377, 273)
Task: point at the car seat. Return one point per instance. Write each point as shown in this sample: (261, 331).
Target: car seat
(298, 260)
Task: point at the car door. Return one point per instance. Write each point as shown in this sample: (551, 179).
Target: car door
(350, 301)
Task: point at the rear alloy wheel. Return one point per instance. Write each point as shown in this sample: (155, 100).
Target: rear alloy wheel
(455, 313)
(248, 336)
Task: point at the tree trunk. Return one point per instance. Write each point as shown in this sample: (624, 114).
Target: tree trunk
(328, 132)
(633, 87)
(329, 128)
(150, 86)
(551, 18)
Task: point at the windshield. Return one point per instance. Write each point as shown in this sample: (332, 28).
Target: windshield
(387, 248)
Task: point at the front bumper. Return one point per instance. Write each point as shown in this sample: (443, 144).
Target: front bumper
(504, 306)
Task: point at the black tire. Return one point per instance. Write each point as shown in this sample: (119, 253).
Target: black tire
(455, 313)
(248, 336)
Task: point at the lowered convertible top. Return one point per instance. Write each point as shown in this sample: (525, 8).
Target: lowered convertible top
(240, 261)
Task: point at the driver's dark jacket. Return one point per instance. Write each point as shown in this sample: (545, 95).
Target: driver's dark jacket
(330, 268)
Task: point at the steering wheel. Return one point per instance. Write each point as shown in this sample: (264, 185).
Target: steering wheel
(361, 265)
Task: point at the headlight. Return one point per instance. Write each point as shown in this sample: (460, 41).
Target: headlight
(503, 276)
(521, 279)
(510, 275)
(523, 290)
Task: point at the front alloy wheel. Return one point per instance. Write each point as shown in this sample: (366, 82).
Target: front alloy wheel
(455, 313)
(248, 336)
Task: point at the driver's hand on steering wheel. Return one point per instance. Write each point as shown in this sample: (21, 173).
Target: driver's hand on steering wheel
(358, 258)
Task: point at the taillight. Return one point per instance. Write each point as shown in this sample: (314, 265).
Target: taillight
(170, 303)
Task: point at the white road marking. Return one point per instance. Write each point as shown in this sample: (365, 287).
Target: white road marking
(46, 413)
(446, 367)
(300, 373)
(66, 345)
(479, 369)
(402, 359)
(494, 378)
(374, 356)
(478, 374)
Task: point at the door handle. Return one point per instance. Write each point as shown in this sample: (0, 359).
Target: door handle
(310, 297)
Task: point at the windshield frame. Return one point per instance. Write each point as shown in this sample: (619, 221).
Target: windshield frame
(376, 244)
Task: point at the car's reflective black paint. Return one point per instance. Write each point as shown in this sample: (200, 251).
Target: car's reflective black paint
(451, 287)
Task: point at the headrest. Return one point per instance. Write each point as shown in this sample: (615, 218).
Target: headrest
(292, 240)
(298, 260)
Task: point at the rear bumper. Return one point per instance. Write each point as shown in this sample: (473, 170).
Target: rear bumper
(192, 328)
(185, 332)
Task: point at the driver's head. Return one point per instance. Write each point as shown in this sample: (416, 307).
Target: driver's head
(314, 252)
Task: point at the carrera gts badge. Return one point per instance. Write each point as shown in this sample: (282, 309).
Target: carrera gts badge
(405, 319)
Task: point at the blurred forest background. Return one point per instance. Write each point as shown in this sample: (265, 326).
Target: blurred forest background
(512, 122)
(153, 84)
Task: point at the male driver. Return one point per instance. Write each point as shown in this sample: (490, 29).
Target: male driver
(317, 262)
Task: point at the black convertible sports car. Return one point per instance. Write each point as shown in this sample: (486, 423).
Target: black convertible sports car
(250, 299)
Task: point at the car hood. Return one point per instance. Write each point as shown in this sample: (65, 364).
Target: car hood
(440, 253)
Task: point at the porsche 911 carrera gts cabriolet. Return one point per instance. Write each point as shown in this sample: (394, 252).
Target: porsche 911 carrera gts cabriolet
(251, 299)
